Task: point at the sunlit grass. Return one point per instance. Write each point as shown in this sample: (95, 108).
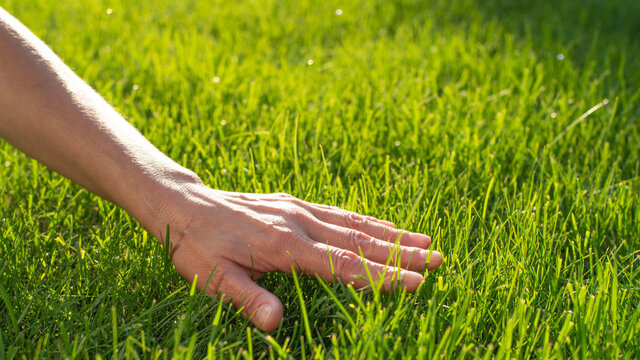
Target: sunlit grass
(466, 120)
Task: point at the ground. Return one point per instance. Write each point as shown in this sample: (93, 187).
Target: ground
(509, 131)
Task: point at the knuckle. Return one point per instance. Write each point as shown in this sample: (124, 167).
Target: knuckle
(297, 213)
(247, 301)
(353, 220)
(215, 279)
(357, 239)
(365, 224)
(294, 211)
(345, 262)
(293, 202)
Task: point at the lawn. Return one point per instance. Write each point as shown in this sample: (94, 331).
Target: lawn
(509, 131)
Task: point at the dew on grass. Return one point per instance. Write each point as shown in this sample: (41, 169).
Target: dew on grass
(215, 79)
(338, 12)
(109, 11)
(560, 57)
(310, 62)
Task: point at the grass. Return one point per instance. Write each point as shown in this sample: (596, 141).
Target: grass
(507, 130)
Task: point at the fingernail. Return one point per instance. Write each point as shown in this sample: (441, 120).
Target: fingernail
(428, 239)
(262, 315)
(435, 261)
(411, 280)
(422, 238)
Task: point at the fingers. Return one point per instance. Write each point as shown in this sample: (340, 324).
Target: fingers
(376, 228)
(258, 305)
(331, 262)
(376, 250)
(336, 210)
(384, 222)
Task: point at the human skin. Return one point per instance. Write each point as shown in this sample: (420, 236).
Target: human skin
(52, 115)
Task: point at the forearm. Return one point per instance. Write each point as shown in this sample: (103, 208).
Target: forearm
(51, 114)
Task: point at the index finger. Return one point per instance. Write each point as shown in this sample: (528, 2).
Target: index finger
(376, 229)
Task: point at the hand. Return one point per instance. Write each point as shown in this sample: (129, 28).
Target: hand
(244, 235)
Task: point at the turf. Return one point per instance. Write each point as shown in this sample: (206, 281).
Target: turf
(507, 130)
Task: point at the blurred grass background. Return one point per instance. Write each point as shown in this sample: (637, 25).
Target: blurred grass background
(466, 120)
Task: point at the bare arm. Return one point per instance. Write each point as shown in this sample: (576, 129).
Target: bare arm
(51, 114)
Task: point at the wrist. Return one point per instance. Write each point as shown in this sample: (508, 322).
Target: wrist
(159, 196)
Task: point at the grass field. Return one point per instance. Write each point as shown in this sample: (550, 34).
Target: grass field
(509, 131)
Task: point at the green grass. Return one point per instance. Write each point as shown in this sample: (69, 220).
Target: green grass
(466, 120)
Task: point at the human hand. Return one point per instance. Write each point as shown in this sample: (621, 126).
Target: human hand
(247, 235)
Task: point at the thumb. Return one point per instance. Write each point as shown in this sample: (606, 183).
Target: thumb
(258, 305)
